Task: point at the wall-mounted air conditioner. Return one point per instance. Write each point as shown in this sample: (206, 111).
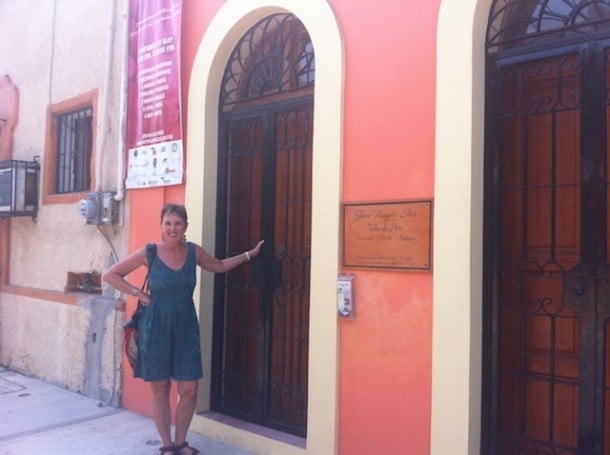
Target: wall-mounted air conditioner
(19, 188)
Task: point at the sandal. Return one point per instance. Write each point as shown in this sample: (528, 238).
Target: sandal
(168, 449)
(185, 445)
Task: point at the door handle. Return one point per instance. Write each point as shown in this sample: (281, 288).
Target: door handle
(576, 281)
(268, 271)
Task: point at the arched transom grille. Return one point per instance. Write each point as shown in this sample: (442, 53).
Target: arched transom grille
(274, 56)
(514, 23)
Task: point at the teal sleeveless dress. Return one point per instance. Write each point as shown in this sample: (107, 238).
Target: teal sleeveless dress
(169, 328)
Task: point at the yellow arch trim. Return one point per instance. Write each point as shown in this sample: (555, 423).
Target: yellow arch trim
(458, 228)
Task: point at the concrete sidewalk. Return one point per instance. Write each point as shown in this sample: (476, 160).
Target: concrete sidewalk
(41, 418)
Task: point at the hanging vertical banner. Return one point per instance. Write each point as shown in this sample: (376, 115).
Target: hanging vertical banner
(154, 114)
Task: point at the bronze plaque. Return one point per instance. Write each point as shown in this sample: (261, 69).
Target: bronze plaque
(394, 235)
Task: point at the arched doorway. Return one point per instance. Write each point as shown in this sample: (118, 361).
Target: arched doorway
(261, 312)
(547, 274)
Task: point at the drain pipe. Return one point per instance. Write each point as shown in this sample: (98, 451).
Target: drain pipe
(121, 154)
(105, 97)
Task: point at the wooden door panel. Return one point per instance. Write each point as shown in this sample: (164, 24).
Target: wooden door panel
(549, 412)
(549, 237)
(607, 147)
(540, 240)
(290, 311)
(266, 305)
(265, 181)
(242, 297)
(565, 427)
(534, 410)
(605, 302)
(606, 394)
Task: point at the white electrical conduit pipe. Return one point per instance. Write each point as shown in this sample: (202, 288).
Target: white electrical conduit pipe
(101, 142)
(121, 153)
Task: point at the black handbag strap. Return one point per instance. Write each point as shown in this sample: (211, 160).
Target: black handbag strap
(151, 254)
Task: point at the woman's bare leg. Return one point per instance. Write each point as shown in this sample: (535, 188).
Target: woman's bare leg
(187, 391)
(161, 410)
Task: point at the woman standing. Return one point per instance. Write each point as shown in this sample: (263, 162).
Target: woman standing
(168, 327)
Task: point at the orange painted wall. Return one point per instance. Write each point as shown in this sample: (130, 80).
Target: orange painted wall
(145, 226)
(385, 352)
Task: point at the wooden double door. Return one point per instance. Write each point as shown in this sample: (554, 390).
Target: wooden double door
(548, 274)
(261, 327)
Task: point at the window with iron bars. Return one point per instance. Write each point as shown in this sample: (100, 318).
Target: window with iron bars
(74, 142)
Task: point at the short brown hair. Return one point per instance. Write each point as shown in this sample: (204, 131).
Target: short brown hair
(176, 209)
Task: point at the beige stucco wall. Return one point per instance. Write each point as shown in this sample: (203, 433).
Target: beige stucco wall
(55, 50)
(64, 53)
(37, 320)
(73, 346)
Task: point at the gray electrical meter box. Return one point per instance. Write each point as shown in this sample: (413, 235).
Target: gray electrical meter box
(345, 295)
